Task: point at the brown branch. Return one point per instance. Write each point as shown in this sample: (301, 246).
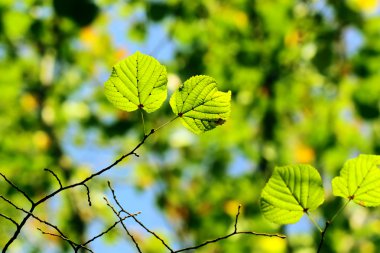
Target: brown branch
(75, 246)
(54, 175)
(37, 218)
(88, 194)
(49, 196)
(108, 229)
(10, 219)
(17, 188)
(136, 220)
(323, 233)
(122, 223)
(235, 232)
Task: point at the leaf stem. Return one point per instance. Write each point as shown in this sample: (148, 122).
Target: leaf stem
(314, 222)
(143, 121)
(170, 121)
(339, 211)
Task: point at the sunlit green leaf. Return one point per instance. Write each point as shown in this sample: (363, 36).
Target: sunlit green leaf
(139, 81)
(200, 105)
(290, 192)
(359, 180)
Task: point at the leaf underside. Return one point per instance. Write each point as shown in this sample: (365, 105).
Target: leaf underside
(290, 192)
(359, 180)
(200, 105)
(138, 81)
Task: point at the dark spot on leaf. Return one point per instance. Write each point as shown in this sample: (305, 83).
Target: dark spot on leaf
(141, 106)
(351, 197)
(180, 114)
(305, 210)
(220, 121)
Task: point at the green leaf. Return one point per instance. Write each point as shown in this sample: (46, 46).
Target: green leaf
(200, 105)
(138, 81)
(290, 192)
(359, 180)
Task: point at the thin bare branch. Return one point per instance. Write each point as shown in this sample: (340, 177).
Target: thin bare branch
(10, 219)
(237, 218)
(108, 229)
(88, 195)
(125, 228)
(54, 175)
(75, 245)
(17, 188)
(323, 233)
(139, 222)
(235, 232)
(83, 182)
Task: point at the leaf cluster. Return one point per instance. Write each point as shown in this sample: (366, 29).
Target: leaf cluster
(295, 190)
(140, 82)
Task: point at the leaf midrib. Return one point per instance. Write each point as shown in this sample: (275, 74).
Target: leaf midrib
(364, 178)
(287, 186)
(184, 102)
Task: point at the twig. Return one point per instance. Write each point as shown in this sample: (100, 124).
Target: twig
(17, 188)
(125, 228)
(37, 218)
(323, 233)
(54, 175)
(76, 246)
(108, 229)
(88, 194)
(235, 232)
(329, 222)
(10, 219)
(43, 199)
(237, 218)
(136, 220)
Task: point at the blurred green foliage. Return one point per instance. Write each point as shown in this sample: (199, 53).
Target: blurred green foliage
(304, 77)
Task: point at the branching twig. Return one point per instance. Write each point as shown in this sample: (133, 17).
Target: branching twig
(108, 229)
(73, 244)
(329, 222)
(49, 196)
(125, 228)
(37, 218)
(136, 220)
(77, 246)
(235, 232)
